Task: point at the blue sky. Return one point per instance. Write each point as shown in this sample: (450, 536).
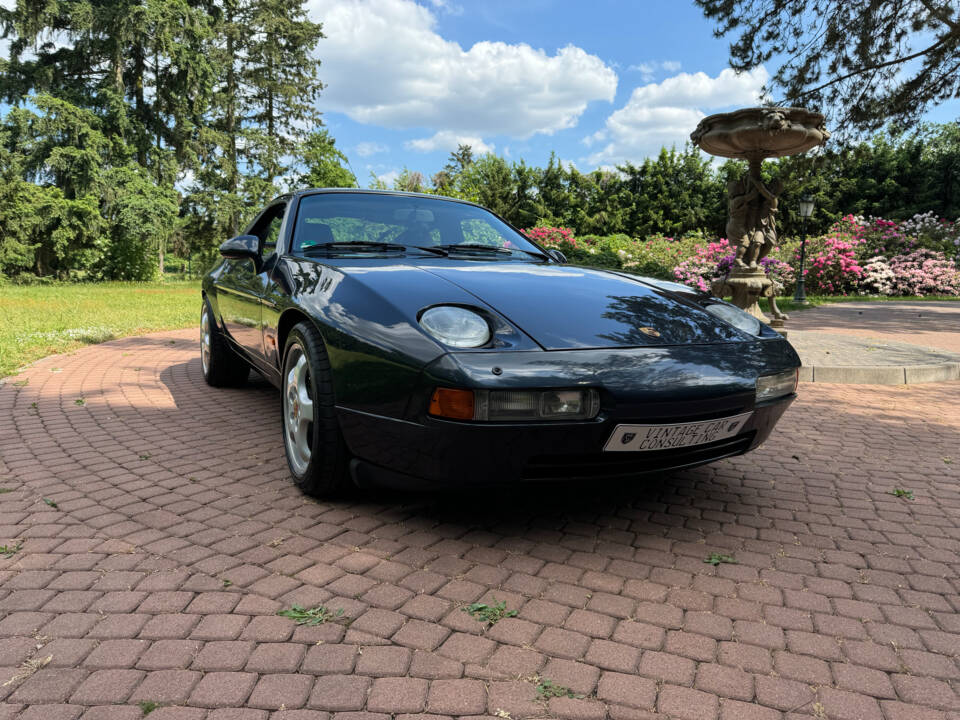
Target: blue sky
(598, 81)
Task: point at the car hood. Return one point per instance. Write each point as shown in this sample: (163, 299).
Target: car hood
(564, 307)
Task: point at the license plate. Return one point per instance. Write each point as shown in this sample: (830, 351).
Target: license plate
(640, 438)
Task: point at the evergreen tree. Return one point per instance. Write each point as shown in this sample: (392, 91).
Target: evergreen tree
(323, 163)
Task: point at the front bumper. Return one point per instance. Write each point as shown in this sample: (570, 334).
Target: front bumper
(642, 386)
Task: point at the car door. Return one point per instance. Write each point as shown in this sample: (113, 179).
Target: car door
(240, 287)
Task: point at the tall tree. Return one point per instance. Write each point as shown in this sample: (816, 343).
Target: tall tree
(870, 62)
(323, 163)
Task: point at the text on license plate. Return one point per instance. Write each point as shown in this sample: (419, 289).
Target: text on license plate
(633, 438)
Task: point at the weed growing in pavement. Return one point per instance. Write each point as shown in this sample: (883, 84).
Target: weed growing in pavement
(79, 401)
(148, 706)
(144, 456)
(51, 503)
(717, 558)
(312, 616)
(9, 551)
(489, 613)
(5, 490)
(227, 583)
(547, 688)
(901, 493)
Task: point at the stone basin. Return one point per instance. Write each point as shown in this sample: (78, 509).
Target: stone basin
(757, 133)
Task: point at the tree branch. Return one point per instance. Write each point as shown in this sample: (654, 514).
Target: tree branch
(938, 13)
(878, 66)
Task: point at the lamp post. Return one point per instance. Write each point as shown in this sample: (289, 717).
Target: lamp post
(806, 210)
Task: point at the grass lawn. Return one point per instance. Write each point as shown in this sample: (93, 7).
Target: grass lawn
(39, 320)
(787, 305)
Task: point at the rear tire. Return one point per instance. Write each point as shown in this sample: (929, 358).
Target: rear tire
(316, 452)
(222, 367)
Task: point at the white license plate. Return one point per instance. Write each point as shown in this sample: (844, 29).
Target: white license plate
(634, 438)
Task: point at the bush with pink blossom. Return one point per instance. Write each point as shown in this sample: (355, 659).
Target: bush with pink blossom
(925, 272)
(708, 263)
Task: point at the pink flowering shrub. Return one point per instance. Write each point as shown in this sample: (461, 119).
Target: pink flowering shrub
(925, 272)
(832, 265)
(551, 236)
(708, 263)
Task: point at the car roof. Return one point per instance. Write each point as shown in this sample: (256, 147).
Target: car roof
(369, 191)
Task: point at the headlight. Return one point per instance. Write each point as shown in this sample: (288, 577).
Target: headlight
(456, 326)
(740, 319)
(770, 387)
(515, 405)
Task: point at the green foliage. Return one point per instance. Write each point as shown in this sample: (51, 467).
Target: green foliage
(901, 493)
(8, 551)
(312, 616)
(324, 163)
(489, 613)
(147, 124)
(717, 558)
(147, 706)
(547, 688)
(51, 503)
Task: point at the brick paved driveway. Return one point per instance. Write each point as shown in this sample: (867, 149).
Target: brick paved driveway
(177, 536)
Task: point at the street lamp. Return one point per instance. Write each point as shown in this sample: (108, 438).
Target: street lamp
(806, 210)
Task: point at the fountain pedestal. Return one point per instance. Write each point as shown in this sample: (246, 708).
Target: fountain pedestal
(754, 134)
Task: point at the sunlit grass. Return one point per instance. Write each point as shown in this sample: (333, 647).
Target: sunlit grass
(40, 320)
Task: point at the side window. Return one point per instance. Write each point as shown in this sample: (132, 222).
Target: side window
(267, 228)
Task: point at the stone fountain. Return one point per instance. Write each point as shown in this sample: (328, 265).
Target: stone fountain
(755, 134)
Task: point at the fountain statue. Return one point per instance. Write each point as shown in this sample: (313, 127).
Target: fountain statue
(754, 134)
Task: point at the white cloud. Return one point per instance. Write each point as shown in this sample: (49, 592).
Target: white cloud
(665, 113)
(447, 7)
(446, 140)
(389, 177)
(648, 70)
(366, 149)
(384, 64)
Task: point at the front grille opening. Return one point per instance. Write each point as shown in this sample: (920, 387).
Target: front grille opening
(625, 465)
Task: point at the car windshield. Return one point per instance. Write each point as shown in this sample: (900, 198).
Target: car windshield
(405, 222)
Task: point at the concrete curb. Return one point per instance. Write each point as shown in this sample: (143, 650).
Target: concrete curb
(881, 374)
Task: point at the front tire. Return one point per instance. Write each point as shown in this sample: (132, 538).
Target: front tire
(221, 366)
(316, 452)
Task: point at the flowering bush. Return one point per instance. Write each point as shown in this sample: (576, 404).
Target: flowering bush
(858, 255)
(551, 236)
(933, 232)
(708, 263)
(878, 278)
(832, 267)
(925, 272)
(780, 272)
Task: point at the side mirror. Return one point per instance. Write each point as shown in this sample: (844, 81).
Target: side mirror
(557, 256)
(242, 246)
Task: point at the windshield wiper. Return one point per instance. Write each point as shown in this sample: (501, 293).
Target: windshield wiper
(359, 245)
(494, 249)
(471, 247)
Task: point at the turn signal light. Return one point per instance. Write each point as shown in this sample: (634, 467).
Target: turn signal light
(515, 405)
(452, 403)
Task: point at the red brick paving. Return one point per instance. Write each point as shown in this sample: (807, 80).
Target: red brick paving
(178, 536)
